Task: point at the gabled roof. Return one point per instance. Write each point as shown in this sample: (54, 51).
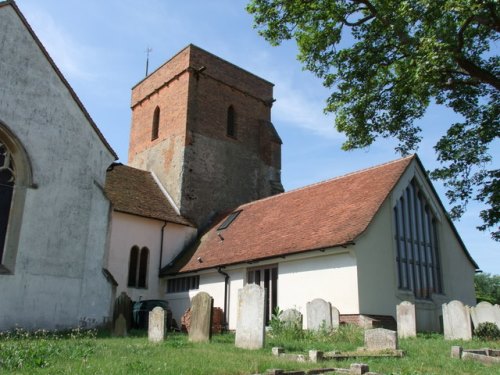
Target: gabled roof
(324, 215)
(59, 74)
(134, 191)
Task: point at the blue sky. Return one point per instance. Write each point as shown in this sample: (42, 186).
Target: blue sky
(100, 46)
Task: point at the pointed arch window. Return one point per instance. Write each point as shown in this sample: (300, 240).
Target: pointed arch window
(156, 124)
(231, 122)
(138, 267)
(417, 244)
(7, 181)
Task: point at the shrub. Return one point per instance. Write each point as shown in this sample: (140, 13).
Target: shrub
(487, 331)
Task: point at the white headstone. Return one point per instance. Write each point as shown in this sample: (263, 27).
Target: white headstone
(456, 321)
(335, 317)
(380, 339)
(485, 312)
(406, 320)
(250, 317)
(156, 325)
(319, 314)
(292, 317)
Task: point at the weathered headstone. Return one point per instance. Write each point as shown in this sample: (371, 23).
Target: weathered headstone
(380, 339)
(485, 312)
(292, 318)
(201, 317)
(156, 326)
(250, 317)
(123, 306)
(319, 314)
(456, 321)
(120, 326)
(335, 317)
(406, 320)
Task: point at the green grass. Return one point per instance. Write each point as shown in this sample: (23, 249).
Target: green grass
(91, 353)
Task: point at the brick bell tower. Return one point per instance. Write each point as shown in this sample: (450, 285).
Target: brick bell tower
(202, 126)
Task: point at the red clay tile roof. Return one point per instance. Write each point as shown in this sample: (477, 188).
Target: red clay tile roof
(323, 215)
(136, 192)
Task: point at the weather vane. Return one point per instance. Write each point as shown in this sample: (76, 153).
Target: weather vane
(148, 51)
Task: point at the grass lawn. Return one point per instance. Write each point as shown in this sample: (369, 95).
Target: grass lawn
(91, 353)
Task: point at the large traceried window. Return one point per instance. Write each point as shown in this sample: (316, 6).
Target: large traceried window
(417, 244)
(7, 180)
(138, 267)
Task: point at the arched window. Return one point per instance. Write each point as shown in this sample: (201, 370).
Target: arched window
(143, 268)
(417, 244)
(138, 267)
(231, 122)
(156, 124)
(15, 179)
(132, 266)
(7, 180)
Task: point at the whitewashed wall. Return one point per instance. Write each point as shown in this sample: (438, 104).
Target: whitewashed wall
(131, 230)
(57, 278)
(377, 272)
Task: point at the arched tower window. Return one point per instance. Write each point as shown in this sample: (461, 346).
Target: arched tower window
(156, 124)
(231, 122)
(138, 267)
(7, 180)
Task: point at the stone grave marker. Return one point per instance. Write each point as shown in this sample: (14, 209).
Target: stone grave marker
(292, 317)
(201, 317)
(456, 321)
(120, 326)
(485, 312)
(123, 306)
(319, 314)
(156, 326)
(406, 320)
(380, 339)
(250, 317)
(335, 317)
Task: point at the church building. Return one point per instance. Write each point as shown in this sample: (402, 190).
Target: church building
(200, 205)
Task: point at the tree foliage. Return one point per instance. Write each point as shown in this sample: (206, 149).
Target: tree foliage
(386, 61)
(487, 288)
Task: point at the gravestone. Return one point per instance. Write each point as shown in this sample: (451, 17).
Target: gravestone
(406, 320)
(156, 326)
(120, 326)
(319, 314)
(123, 306)
(250, 317)
(335, 317)
(291, 318)
(380, 339)
(485, 312)
(456, 321)
(201, 317)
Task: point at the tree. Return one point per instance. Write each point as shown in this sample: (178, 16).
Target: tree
(487, 288)
(386, 61)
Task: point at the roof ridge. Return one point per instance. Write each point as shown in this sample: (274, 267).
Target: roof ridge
(328, 180)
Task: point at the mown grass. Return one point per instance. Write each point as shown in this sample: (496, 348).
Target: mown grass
(87, 352)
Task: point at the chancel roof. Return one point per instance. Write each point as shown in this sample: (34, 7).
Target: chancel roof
(324, 215)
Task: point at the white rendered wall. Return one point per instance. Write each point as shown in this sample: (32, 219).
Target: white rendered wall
(377, 272)
(57, 280)
(130, 230)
